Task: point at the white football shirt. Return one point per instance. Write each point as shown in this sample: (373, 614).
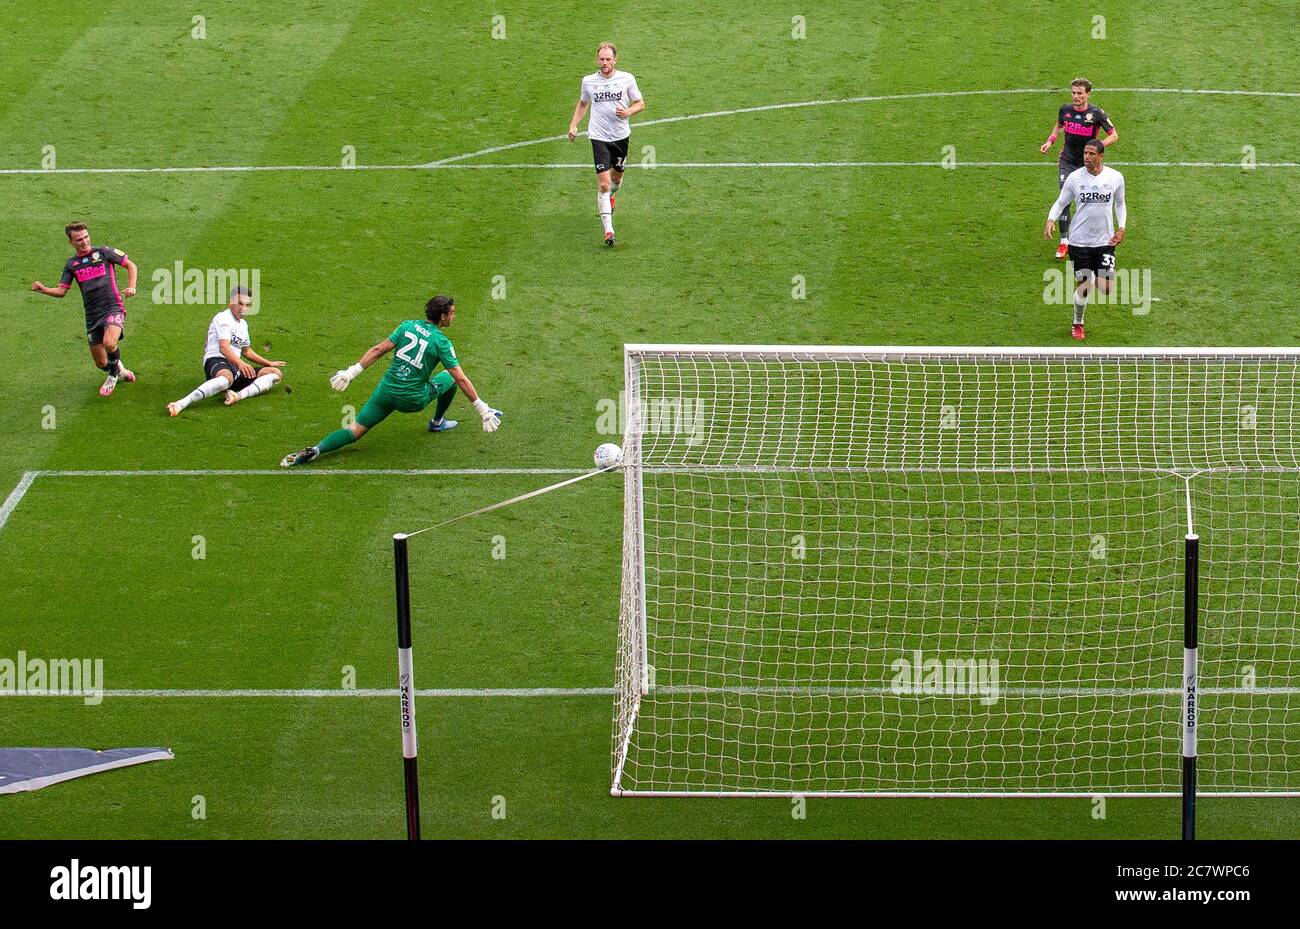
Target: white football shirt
(225, 326)
(606, 94)
(1093, 197)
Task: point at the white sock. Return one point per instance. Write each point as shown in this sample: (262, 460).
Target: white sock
(260, 386)
(615, 186)
(1080, 304)
(606, 214)
(203, 391)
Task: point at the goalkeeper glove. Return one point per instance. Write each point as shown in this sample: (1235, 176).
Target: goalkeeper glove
(342, 379)
(491, 417)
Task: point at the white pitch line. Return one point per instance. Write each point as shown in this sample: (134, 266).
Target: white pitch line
(769, 691)
(310, 693)
(451, 161)
(663, 165)
(16, 496)
(534, 165)
(864, 99)
(347, 472)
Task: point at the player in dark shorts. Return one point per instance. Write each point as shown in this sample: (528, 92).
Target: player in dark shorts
(612, 97)
(92, 267)
(1081, 122)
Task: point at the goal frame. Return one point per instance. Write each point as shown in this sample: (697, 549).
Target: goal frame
(634, 498)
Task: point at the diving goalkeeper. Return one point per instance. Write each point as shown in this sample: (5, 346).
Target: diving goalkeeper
(408, 386)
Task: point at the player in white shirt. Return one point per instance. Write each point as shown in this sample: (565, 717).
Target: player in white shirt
(224, 367)
(613, 97)
(1094, 189)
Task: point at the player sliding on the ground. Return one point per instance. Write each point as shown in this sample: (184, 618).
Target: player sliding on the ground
(1093, 188)
(407, 385)
(92, 268)
(613, 97)
(224, 367)
(1082, 122)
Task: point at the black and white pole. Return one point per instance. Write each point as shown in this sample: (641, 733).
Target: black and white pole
(406, 686)
(1191, 560)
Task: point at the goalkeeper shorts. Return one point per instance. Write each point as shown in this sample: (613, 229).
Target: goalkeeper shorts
(384, 400)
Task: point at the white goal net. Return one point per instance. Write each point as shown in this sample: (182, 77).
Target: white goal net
(895, 571)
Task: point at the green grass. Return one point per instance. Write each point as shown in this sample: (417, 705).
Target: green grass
(296, 586)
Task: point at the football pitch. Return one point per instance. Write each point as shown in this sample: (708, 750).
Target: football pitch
(869, 176)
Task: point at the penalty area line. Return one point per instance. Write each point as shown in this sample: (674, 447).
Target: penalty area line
(345, 472)
(16, 496)
(320, 693)
(669, 691)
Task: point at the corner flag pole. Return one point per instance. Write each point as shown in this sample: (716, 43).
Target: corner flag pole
(406, 686)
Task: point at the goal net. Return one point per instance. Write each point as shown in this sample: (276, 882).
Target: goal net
(895, 571)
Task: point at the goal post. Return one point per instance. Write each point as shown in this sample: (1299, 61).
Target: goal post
(928, 572)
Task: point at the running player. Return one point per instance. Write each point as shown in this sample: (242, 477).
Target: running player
(92, 268)
(1082, 122)
(1095, 188)
(224, 367)
(407, 385)
(613, 97)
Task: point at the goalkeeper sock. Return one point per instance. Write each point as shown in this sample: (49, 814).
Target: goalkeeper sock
(1080, 304)
(259, 386)
(335, 440)
(444, 401)
(606, 217)
(203, 391)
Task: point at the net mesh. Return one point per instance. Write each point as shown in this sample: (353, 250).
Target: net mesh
(936, 572)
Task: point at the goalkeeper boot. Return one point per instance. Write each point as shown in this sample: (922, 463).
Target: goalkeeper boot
(124, 373)
(1063, 251)
(300, 458)
(609, 238)
(110, 384)
(1076, 331)
(442, 425)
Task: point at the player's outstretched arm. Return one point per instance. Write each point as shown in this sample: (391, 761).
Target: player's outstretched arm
(342, 379)
(1121, 214)
(1051, 139)
(131, 273)
(579, 111)
(58, 291)
(257, 359)
(491, 418)
(1067, 194)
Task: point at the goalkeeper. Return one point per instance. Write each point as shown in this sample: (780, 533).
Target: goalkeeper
(408, 385)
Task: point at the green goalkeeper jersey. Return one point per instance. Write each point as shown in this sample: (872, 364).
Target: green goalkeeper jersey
(420, 348)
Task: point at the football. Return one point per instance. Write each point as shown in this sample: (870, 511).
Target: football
(608, 455)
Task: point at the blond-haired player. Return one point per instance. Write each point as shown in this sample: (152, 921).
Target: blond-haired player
(613, 97)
